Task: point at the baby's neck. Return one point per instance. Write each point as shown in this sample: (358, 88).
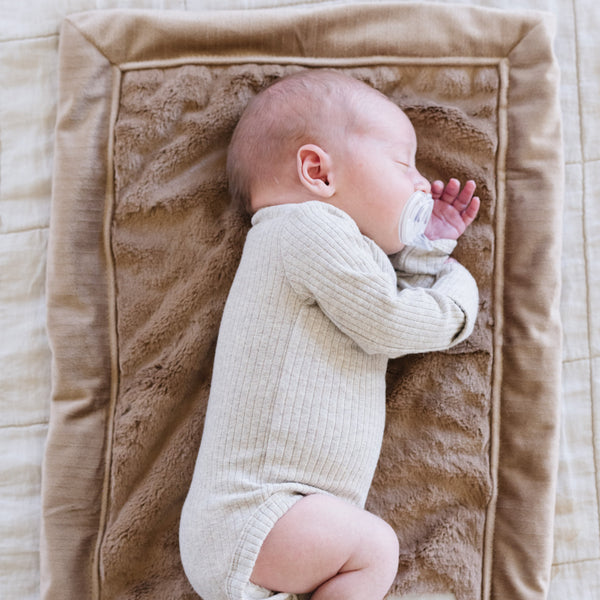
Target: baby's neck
(280, 195)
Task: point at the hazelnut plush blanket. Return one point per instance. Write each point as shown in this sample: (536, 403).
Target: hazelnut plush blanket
(144, 246)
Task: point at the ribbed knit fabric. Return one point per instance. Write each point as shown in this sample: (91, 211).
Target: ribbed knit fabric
(297, 402)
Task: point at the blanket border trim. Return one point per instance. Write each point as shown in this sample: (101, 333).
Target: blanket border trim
(109, 206)
(498, 311)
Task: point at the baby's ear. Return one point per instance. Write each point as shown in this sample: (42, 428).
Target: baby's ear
(315, 170)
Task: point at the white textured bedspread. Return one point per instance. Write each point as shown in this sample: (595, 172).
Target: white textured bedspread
(28, 100)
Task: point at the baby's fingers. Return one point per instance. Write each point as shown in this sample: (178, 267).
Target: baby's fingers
(437, 189)
(470, 212)
(465, 197)
(450, 192)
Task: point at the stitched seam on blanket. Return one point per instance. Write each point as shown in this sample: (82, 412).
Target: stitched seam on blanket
(586, 259)
(109, 203)
(363, 61)
(579, 561)
(502, 64)
(500, 223)
(87, 38)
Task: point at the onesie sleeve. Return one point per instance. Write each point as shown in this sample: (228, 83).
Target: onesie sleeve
(328, 261)
(417, 267)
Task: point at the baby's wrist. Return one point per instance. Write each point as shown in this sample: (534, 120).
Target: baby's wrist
(444, 245)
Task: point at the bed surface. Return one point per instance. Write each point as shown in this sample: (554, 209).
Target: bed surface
(28, 67)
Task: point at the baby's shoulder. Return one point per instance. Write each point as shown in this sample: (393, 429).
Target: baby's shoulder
(315, 232)
(312, 213)
(306, 223)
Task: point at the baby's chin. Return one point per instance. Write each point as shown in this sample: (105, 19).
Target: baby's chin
(399, 248)
(395, 249)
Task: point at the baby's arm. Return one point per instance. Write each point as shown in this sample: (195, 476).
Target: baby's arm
(417, 267)
(425, 272)
(330, 263)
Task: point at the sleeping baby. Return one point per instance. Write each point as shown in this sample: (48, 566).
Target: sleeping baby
(345, 266)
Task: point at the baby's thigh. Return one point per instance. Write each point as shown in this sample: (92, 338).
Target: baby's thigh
(319, 537)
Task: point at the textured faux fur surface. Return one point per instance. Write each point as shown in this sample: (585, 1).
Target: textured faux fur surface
(176, 245)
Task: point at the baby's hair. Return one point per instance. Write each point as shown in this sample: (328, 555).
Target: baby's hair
(313, 106)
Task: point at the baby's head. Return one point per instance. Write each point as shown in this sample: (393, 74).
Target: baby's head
(311, 107)
(322, 135)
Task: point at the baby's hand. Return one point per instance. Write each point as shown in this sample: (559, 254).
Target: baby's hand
(453, 210)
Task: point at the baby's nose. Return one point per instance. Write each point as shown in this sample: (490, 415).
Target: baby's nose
(422, 184)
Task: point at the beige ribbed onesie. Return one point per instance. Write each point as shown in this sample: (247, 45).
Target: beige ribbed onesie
(297, 402)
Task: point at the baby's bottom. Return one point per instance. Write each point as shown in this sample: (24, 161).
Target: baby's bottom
(327, 545)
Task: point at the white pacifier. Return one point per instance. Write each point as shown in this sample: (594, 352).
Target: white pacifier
(414, 219)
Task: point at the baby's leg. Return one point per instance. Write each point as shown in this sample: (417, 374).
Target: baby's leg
(327, 545)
